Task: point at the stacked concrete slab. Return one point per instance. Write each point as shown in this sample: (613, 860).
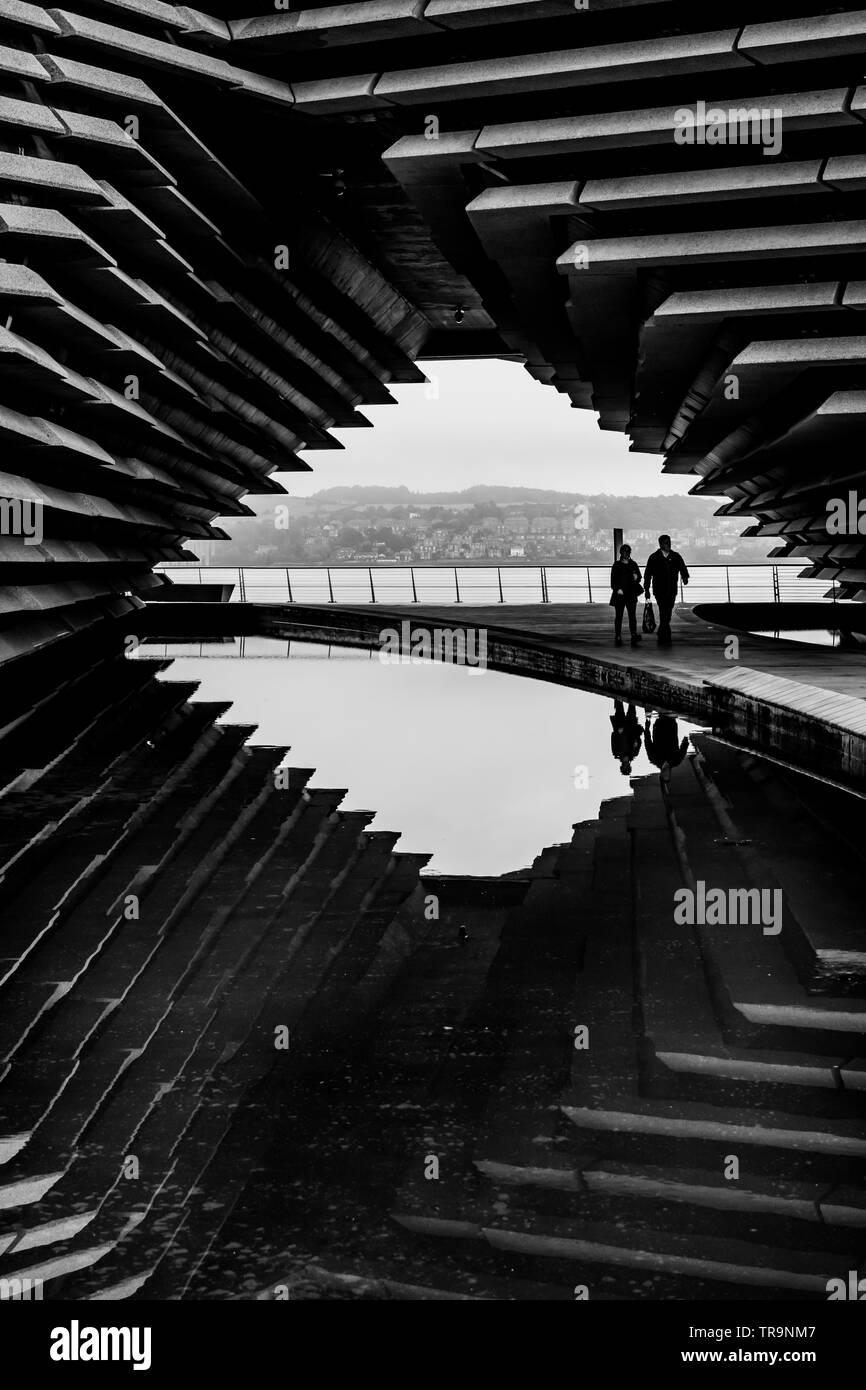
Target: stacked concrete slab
(240, 1053)
(179, 915)
(588, 1099)
(226, 1019)
(703, 297)
(170, 336)
(223, 233)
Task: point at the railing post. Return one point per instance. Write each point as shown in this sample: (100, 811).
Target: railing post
(499, 577)
(456, 584)
(372, 590)
(330, 585)
(589, 583)
(728, 580)
(241, 586)
(776, 590)
(414, 590)
(289, 584)
(543, 584)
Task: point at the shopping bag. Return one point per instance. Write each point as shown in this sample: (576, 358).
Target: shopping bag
(649, 618)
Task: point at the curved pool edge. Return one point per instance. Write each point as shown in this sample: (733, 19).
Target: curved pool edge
(810, 728)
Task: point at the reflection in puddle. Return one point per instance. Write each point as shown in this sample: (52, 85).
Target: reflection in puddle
(661, 740)
(474, 766)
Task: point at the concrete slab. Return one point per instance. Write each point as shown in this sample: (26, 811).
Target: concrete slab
(650, 58)
(821, 36)
(719, 244)
(711, 305)
(334, 25)
(702, 186)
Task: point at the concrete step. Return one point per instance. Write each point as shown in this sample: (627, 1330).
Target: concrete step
(355, 985)
(440, 985)
(207, 1206)
(190, 1045)
(748, 1076)
(684, 1053)
(603, 1000)
(694, 1135)
(775, 1211)
(755, 988)
(80, 858)
(548, 937)
(811, 863)
(220, 1159)
(130, 1260)
(35, 820)
(53, 952)
(807, 1214)
(516, 1045)
(201, 1012)
(429, 1041)
(57, 739)
(135, 979)
(60, 722)
(634, 1259)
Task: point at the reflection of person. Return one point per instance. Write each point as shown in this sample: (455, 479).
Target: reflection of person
(625, 586)
(625, 740)
(663, 746)
(664, 568)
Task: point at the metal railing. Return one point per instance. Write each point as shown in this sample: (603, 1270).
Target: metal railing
(770, 582)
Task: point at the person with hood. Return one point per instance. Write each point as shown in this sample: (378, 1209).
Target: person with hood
(664, 569)
(625, 587)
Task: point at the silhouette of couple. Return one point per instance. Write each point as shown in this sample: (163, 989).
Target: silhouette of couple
(664, 569)
(662, 741)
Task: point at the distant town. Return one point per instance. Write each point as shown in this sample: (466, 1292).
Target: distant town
(503, 525)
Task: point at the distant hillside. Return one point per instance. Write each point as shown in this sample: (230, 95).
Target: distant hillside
(482, 492)
(606, 509)
(497, 524)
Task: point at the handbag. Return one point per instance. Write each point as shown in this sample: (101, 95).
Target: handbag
(649, 617)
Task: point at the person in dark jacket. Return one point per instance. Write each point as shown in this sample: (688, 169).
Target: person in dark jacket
(664, 569)
(663, 745)
(625, 738)
(625, 587)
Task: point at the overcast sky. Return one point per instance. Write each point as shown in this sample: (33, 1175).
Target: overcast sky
(483, 422)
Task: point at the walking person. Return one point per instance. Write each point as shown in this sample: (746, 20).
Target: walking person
(625, 587)
(664, 569)
(625, 738)
(662, 743)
